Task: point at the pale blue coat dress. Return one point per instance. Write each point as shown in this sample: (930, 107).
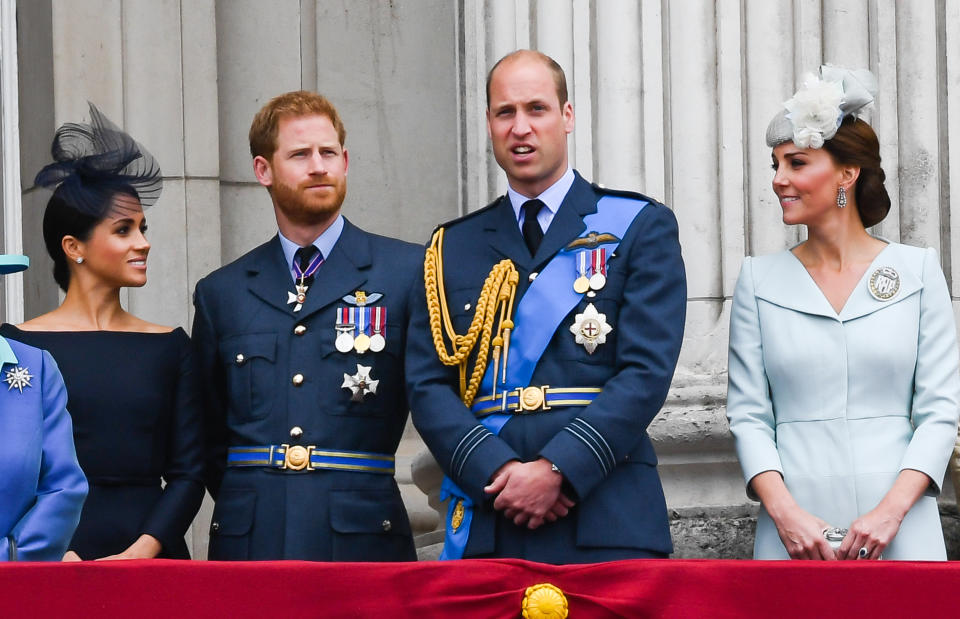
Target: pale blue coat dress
(839, 404)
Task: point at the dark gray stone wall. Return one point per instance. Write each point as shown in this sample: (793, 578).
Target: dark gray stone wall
(719, 533)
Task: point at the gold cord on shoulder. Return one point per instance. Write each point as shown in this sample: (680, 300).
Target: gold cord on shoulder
(496, 297)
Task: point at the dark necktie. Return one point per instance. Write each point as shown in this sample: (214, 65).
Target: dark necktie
(532, 233)
(304, 257)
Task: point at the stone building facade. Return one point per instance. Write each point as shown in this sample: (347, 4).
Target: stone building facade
(672, 98)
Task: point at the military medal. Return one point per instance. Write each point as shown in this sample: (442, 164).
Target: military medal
(17, 378)
(354, 322)
(361, 343)
(360, 384)
(297, 298)
(598, 264)
(345, 328)
(378, 324)
(884, 283)
(581, 284)
(590, 328)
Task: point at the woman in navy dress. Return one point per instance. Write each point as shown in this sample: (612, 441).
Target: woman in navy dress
(42, 487)
(130, 382)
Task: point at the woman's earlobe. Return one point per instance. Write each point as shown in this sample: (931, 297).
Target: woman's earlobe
(71, 249)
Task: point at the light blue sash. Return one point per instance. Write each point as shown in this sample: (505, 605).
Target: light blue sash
(539, 313)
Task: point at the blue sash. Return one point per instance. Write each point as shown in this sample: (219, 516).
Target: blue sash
(540, 311)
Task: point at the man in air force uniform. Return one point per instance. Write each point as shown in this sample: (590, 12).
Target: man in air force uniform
(301, 344)
(561, 306)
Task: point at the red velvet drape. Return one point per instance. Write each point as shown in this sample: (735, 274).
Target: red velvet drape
(481, 588)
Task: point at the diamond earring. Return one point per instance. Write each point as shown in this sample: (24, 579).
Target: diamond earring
(79, 260)
(841, 196)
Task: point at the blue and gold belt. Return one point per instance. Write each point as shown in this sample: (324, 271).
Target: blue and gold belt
(534, 399)
(299, 457)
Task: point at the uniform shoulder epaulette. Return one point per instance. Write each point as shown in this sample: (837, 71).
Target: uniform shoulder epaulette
(469, 215)
(636, 195)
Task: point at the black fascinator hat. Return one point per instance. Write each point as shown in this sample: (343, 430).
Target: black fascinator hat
(92, 163)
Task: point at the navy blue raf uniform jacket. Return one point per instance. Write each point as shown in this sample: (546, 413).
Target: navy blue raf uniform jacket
(274, 377)
(602, 450)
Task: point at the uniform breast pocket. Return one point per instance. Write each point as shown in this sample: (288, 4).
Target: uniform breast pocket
(371, 384)
(250, 371)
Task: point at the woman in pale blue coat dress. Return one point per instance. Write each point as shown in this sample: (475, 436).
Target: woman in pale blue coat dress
(41, 485)
(843, 378)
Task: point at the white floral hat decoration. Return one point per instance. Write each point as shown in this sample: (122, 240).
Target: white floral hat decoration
(814, 113)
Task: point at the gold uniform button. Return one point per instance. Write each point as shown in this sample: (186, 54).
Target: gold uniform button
(240, 358)
(299, 330)
(297, 380)
(387, 525)
(296, 432)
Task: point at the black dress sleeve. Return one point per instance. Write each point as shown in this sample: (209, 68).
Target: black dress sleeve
(210, 375)
(183, 467)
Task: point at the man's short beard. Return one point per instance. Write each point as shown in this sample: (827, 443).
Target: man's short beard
(292, 204)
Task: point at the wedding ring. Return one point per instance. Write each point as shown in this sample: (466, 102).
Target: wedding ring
(863, 553)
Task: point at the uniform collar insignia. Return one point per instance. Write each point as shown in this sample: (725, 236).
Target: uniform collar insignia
(592, 240)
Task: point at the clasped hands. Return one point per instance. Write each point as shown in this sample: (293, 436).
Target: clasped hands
(802, 535)
(529, 493)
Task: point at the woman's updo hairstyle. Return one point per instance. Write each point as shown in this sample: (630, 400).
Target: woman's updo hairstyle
(856, 144)
(823, 114)
(91, 165)
(62, 219)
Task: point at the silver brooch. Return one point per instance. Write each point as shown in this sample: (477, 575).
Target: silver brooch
(590, 328)
(360, 384)
(17, 378)
(884, 283)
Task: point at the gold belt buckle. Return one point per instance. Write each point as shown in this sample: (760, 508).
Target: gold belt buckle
(297, 457)
(532, 399)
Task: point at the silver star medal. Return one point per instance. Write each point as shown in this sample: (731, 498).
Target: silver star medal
(17, 378)
(360, 384)
(590, 328)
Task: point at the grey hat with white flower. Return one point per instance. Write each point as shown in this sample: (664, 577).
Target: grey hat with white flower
(815, 111)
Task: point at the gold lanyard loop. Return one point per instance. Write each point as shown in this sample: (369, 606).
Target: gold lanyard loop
(496, 297)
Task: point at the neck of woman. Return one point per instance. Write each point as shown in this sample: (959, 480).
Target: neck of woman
(838, 241)
(93, 306)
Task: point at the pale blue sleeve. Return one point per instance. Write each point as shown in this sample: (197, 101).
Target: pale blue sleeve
(749, 408)
(936, 389)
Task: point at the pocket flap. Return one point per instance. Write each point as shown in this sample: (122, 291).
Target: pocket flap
(239, 348)
(367, 511)
(234, 512)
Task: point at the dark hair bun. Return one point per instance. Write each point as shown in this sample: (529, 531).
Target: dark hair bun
(856, 144)
(60, 220)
